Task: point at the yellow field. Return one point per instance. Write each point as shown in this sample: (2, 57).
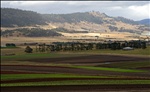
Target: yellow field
(71, 36)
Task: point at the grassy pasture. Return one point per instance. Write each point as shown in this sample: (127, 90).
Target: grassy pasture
(143, 52)
(14, 50)
(79, 82)
(127, 65)
(34, 76)
(36, 56)
(108, 69)
(20, 50)
(21, 55)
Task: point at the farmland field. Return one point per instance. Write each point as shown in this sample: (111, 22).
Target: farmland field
(84, 71)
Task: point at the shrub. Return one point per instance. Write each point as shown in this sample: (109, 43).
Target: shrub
(28, 49)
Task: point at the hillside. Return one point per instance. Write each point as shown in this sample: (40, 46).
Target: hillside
(80, 22)
(144, 22)
(15, 17)
(72, 18)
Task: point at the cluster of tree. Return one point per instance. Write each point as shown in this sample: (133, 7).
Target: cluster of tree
(33, 32)
(110, 22)
(10, 45)
(11, 17)
(127, 30)
(113, 28)
(67, 31)
(76, 46)
(147, 28)
(121, 45)
(28, 49)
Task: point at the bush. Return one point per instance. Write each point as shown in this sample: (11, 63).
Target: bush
(28, 49)
(10, 45)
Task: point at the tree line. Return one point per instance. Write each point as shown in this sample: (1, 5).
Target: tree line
(33, 32)
(77, 46)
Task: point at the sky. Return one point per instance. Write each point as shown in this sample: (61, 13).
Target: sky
(135, 10)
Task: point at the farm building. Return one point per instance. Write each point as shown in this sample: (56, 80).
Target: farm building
(128, 48)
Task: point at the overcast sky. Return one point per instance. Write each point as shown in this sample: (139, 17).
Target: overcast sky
(135, 10)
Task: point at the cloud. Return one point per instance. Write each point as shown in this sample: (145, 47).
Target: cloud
(136, 10)
(140, 10)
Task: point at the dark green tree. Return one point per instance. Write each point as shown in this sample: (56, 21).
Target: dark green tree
(143, 45)
(28, 49)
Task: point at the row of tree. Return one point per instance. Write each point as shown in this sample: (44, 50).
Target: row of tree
(10, 45)
(76, 46)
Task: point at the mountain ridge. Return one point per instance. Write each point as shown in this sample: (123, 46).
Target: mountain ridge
(144, 21)
(10, 17)
(93, 21)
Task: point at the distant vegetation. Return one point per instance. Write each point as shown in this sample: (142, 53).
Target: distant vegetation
(33, 32)
(10, 45)
(37, 32)
(127, 30)
(15, 17)
(113, 28)
(72, 18)
(28, 49)
(67, 31)
(76, 46)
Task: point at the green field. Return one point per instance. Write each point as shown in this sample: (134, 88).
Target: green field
(79, 82)
(37, 56)
(33, 76)
(21, 55)
(128, 65)
(108, 69)
(142, 52)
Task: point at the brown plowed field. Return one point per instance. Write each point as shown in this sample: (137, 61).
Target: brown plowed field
(90, 59)
(93, 59)
(53, 69)
(144, 68)
(62, 79)
(80, 88)
(17, 72)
